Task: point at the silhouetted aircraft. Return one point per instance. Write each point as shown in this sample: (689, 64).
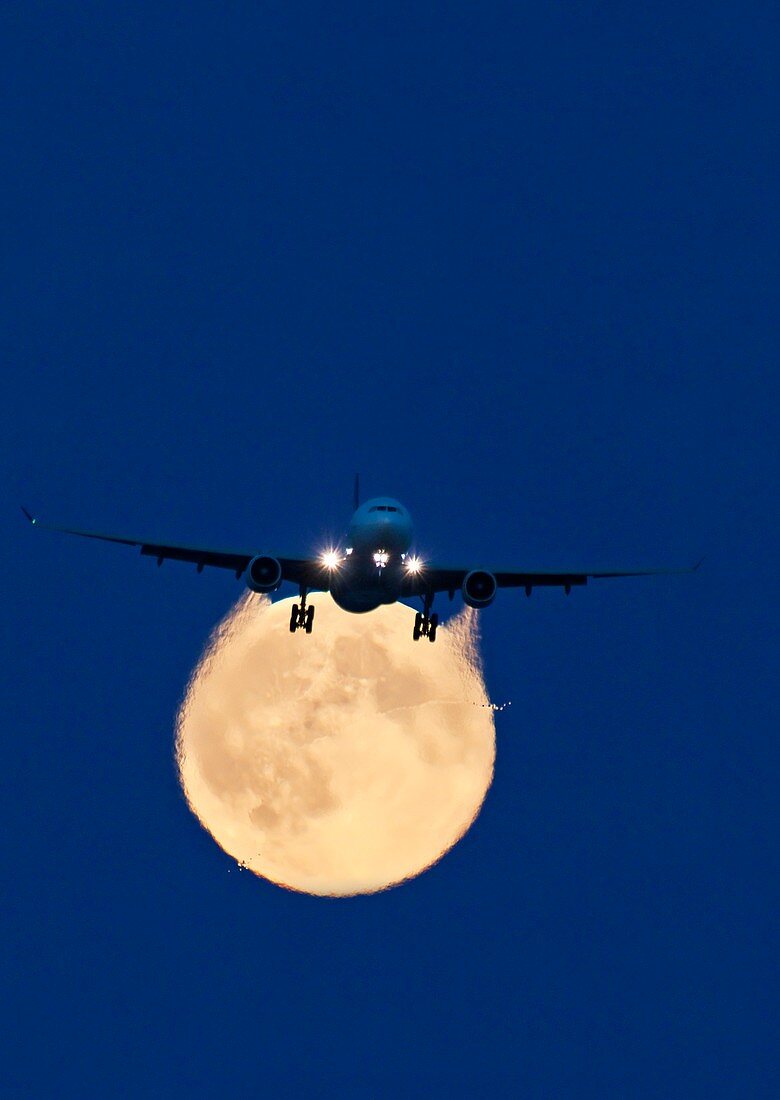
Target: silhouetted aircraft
(375, 566)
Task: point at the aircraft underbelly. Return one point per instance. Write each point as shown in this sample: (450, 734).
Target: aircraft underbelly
(364, 594)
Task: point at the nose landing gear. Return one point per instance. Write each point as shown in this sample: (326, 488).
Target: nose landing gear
(301, 616)
(425, 624)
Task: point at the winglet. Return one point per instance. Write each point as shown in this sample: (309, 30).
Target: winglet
(32, 519)
(698, 563)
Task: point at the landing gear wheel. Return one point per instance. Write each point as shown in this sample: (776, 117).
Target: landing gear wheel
(432, 626)
(294, 618)
(417, 626)
(309, 620)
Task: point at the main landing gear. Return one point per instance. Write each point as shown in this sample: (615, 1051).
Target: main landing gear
(301, 616)
(425, 624)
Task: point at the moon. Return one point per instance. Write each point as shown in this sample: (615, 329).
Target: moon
(338, 763)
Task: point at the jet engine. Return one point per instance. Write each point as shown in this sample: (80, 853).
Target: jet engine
(264, 574)
(479, 588)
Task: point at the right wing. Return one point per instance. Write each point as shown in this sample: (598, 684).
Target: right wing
(298, 570)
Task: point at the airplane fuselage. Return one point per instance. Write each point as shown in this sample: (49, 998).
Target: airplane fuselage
(376, 560)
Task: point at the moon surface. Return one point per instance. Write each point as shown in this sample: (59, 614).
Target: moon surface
(338, 763)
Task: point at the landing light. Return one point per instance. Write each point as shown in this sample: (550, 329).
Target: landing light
(331, 559)
(381, 558)
(412, 565)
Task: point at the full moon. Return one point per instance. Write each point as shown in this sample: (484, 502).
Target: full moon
(340, 763)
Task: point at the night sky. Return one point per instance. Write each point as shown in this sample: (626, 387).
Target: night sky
(517, 264)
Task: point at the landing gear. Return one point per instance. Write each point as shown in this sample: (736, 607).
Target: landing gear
(301, 616)
(425, 624)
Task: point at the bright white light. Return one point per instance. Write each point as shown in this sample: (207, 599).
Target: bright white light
(412, 564)
(331, 559)
(381, 558)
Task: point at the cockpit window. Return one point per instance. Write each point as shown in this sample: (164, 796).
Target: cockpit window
(383, 508)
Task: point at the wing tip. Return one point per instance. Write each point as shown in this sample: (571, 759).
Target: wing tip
(698, 563)
(29, 515)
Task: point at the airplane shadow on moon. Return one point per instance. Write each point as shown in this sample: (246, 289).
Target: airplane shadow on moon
(340, 763)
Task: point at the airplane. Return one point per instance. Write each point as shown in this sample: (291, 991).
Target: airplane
(375, 566)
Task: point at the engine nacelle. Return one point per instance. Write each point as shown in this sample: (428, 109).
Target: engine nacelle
(479, 588)
(263, 574)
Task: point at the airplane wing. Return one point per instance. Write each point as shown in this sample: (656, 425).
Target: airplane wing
(297, 570)
(449, 578)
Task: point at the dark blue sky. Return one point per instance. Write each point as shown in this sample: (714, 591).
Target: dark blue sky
(518, 266)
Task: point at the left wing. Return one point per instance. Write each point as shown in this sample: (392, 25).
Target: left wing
(437, 578)
(298, 570)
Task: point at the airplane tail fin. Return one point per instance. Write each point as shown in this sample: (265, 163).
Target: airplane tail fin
(356, 497)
